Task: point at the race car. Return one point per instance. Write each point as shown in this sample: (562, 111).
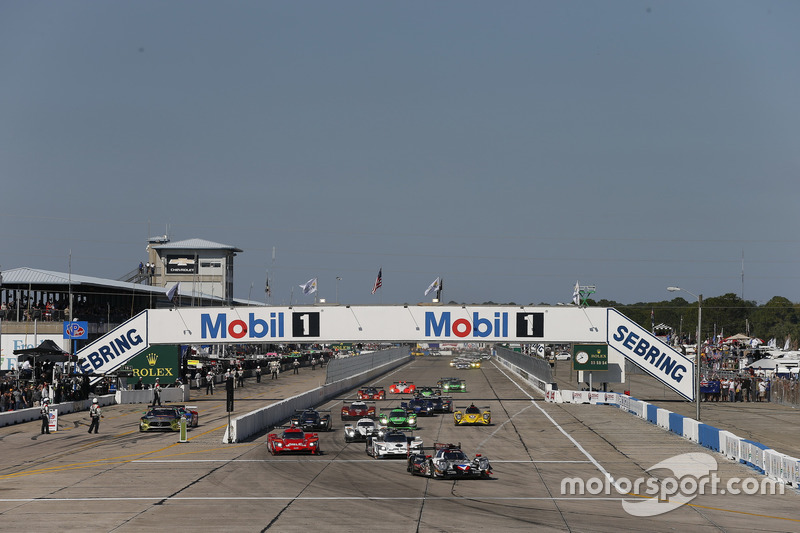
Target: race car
(418, 406)
(448, 461)
(442, 404)
(192, 417)
(466, 416)
(371, 393)
(392, 443)
(161, 419)
(427, 392)
(357, 410)
(310, 419)
(402, 387)
(398, 418)
(293, 439)
(362, 430)
(453, 385)
(465, 364)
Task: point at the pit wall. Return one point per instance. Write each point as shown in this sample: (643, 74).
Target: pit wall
(10, 418)
(168, 394)
(247, 425)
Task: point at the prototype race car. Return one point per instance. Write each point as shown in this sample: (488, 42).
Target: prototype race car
(310, 419)
(419, 406)
(466, 416)
(448, 461)
(452, 385)
(371, 393)
(442, 404)
(192, 417)
(161, 419)
(398, 418)
(427, 392)
(393, 443)
(357, 410)
(402, 387)
(293, 439)
(362, 430)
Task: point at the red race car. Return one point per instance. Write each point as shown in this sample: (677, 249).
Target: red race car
(357, 410)
(372, 393)
(293, 440)
(402, 387)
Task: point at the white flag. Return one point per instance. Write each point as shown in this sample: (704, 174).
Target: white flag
(576, 294)
(787, 344)
(310, 286)
(432, 287)
(173, 291)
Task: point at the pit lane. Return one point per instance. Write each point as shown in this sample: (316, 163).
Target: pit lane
(122, 480)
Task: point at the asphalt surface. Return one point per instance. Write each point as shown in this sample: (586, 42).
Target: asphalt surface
(122, 480)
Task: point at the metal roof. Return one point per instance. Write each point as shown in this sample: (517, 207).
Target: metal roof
(22, 276)
(195, 244)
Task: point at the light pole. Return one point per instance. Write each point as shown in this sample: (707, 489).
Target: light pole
(338, 279)
(697, 352)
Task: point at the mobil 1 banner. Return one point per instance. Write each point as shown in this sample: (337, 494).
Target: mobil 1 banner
(649, 353)
(399, 323)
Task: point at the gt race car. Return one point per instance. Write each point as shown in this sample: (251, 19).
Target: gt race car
(192, 416)
(448, 461)
(452, 385)
(293, 439)
(371, 393)
(398, 418)
(362, 430)
(392, 443)
(357, 410)
(311, 420)
(472, 416)
(161, 419)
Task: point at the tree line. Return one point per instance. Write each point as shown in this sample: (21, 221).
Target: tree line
(721, 315)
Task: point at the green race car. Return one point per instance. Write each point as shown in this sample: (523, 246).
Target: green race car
(398, 418)
(452, 385)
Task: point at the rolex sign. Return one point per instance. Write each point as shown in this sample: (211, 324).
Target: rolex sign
(159, 361)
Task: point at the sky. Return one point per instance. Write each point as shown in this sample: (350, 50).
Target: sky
(512, 148)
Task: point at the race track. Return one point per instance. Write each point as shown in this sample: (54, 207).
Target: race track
(122, 480)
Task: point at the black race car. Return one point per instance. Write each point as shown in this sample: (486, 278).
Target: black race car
(311, 420)
(448, 461)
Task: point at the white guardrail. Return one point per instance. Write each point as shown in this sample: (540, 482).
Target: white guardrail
(778, 466)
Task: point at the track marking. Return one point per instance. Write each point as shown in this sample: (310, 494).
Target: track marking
(594, 461)
(368, 498)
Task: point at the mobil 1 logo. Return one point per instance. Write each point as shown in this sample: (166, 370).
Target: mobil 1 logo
(305, 324)
(530, 324)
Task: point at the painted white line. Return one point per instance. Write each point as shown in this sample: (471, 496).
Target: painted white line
(608, 476)
(311, 498)
(309, 460)
(484, 441)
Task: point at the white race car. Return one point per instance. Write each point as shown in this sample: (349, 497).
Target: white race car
(361, 430)
(392, 443)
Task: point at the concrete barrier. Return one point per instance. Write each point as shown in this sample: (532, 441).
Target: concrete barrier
(676, 423)
(708, 437)
(10, 418)
(249, 424)
(168, 394)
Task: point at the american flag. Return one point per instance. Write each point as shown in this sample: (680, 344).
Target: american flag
(378, 281)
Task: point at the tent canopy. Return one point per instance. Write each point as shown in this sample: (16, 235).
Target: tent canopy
(46, 351)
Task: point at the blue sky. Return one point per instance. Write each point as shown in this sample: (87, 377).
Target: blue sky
(510, 147)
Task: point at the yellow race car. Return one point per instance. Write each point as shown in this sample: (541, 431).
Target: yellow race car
(472, 416)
